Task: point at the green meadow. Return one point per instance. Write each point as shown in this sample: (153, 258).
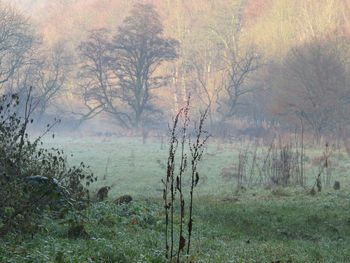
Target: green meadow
(250, 224)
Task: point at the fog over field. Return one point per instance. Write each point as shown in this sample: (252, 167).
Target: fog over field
(174, 131)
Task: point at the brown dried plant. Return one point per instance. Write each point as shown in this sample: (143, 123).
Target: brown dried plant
(190, 141)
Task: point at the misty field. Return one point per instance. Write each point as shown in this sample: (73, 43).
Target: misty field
(174, 131)
(255, 224)
(131, 167)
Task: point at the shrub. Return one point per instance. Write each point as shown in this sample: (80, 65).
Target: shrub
(31, 177)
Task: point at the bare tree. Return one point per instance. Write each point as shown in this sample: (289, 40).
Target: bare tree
(313, 85)
(45, 72)
(97, 80)
(206, 83)
(139, 49)
(120, 75)
(234, 85)
(238, 62)
(25, 63)
(16, 41)
(52, 76)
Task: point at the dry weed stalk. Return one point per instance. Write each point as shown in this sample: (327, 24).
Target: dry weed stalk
(196, 149)
(173, 183)
(280, 164)
(324, 166)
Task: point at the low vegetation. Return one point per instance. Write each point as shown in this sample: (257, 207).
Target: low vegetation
(255, 226)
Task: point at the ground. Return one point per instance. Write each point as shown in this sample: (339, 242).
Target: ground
(258, 224)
